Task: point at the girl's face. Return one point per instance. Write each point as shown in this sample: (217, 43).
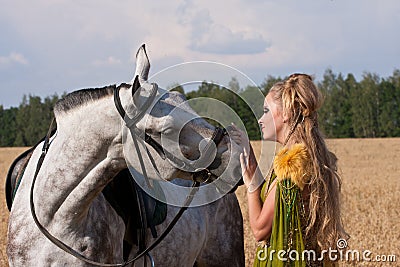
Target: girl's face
(272, 122)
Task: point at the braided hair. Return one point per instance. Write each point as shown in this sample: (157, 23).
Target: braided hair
(300, 99)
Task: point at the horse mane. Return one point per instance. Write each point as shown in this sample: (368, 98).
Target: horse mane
(81, 97)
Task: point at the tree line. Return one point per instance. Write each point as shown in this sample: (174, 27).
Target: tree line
(26, 124)
(352, 109)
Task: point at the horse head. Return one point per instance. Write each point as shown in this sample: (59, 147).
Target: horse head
(179, 131)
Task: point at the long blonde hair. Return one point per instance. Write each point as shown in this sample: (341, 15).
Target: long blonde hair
(300, 99)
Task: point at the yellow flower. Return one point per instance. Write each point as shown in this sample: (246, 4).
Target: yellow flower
(293, 163)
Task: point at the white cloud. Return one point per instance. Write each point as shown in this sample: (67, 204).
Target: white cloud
(13, 58)
(208, 36)
(109, 61)
(222, 40)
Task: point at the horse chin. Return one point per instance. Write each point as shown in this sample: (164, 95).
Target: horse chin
(228, 173)
(176, 174)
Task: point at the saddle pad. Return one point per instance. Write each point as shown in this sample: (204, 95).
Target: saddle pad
(15, 174)
(121, 194)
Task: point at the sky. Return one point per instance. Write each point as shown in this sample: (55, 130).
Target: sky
(57, 46)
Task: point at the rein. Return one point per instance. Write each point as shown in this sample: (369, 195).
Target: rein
(131, 124)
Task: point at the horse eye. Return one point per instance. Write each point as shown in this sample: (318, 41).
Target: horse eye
(166, 131)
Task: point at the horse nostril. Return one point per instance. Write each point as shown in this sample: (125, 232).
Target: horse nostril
(204, 143)
(84, 248)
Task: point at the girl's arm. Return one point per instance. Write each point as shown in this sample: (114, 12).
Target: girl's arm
(260, 215)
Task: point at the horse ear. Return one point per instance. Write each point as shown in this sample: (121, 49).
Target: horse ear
(142, 64)
(135, 85)
(136, 88)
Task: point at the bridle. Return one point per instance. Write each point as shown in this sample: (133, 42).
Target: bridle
(130, 123)
(216, 138)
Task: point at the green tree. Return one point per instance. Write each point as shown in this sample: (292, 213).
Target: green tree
(268, 83)
(250, 110)
(388, 109)
(365, 106)
(389, 113)
(33, 119)
(8, 126)
(349, 85)
(335, 114)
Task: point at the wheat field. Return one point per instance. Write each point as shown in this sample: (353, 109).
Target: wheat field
(370, 170)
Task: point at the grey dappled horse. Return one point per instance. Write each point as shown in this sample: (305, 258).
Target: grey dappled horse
(86, 153)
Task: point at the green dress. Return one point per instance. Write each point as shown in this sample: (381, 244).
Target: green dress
(292, 170)
(286, 244)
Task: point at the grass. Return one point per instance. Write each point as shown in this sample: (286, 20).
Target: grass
(370, 170)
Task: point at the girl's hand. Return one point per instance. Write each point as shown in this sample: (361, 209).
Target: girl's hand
(250, 169)
(239, 136)
(248, 160)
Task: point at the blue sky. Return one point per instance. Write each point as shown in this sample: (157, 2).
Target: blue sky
(56, 46)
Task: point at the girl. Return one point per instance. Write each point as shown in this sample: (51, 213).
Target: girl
(295, 214)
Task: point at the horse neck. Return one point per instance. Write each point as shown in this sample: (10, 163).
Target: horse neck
(84, 156)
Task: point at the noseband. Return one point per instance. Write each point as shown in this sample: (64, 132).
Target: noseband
(216, 138)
